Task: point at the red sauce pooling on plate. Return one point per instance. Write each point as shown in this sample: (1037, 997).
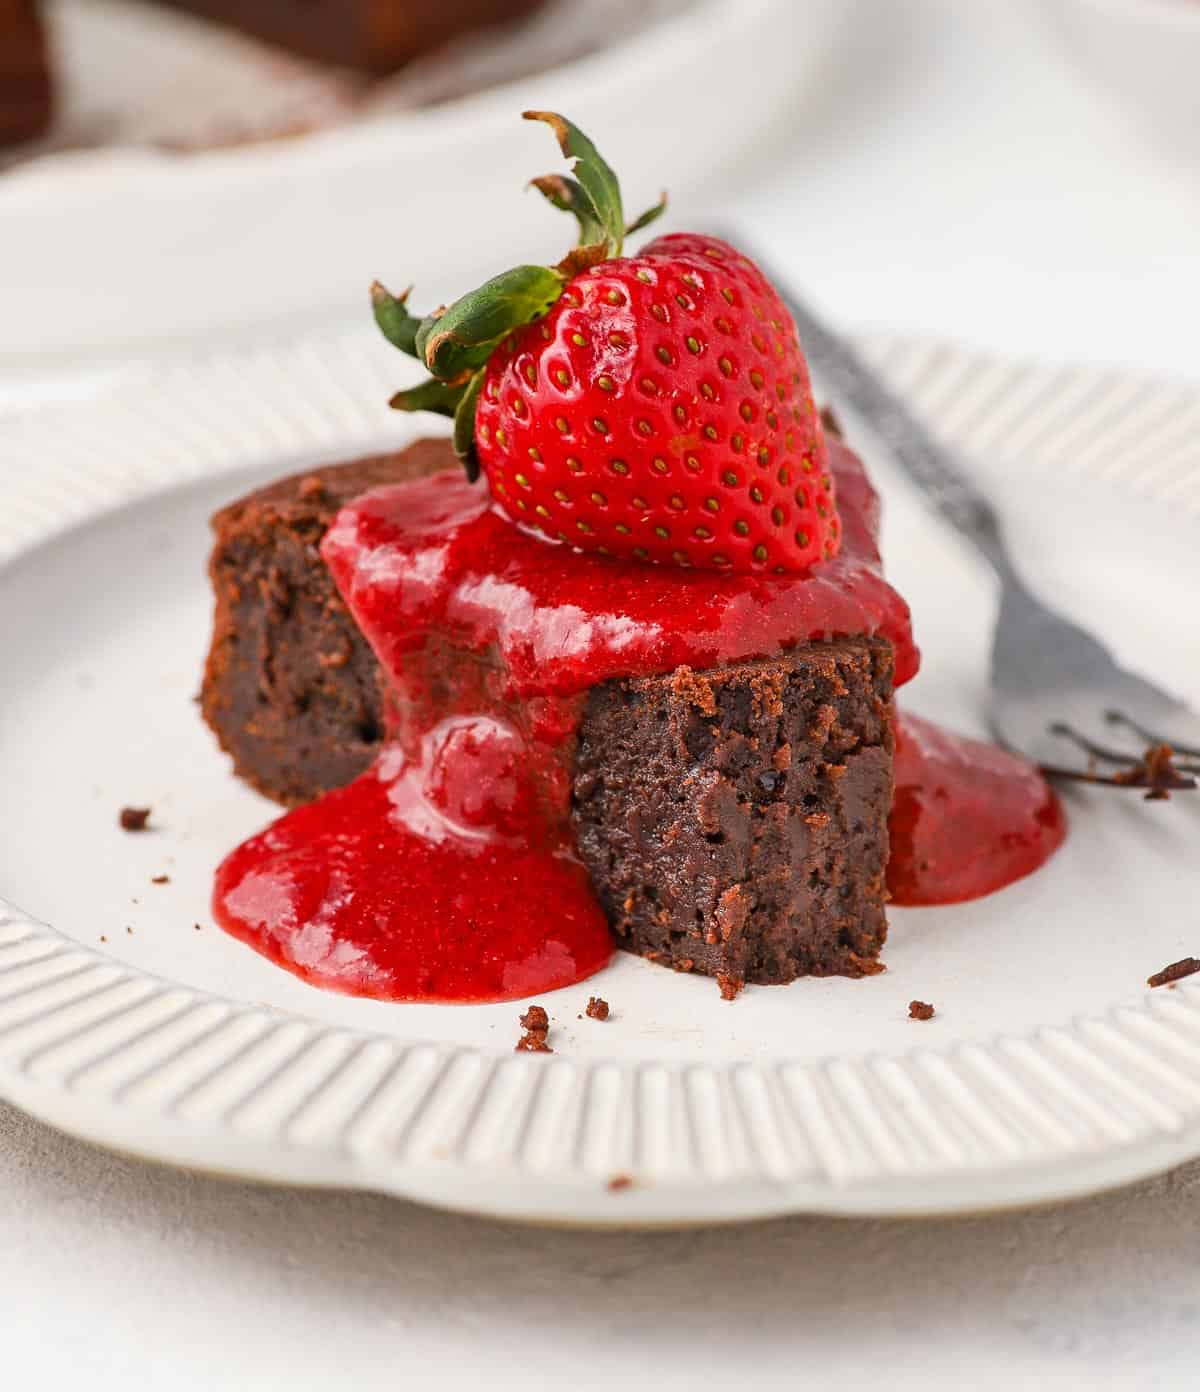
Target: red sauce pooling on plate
(398, 888)
(447, 871)
(967, 818)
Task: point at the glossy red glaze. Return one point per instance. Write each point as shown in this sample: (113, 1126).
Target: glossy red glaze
(431, 564)
(967, 817)
(376, 890)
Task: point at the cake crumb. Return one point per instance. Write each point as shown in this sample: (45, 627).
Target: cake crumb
(863, 966)
(129, 930)
(920, 1010)
(1186, 966)
(536, 1024)
(134, 818)
(597, 1008)
(196, 926)
(730, 985)
(160, 879)
(619, 1182)
(1156, 773)
(103, 939)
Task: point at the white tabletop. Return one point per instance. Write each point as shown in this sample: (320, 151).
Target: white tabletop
(955, 179)
(114, 1273)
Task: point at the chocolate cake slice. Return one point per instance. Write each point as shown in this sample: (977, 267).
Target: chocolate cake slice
(25, 88)
(733, 820)
(291, 689)
(376, 36)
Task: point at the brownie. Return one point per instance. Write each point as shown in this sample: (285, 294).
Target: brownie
(733, 821)
(376, 36)
(291, 688)
(25, 91)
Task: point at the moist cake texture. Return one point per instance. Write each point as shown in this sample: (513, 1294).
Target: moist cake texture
(734, 821)
(291, 688)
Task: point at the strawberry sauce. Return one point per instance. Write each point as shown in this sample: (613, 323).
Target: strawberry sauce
(967, 818)
(447, 872)
(382, 889)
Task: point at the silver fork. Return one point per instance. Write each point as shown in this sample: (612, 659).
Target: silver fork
(1058, 695)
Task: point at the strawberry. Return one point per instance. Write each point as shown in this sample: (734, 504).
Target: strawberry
(655, 407)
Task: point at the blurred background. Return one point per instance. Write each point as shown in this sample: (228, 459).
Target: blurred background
(181, 176)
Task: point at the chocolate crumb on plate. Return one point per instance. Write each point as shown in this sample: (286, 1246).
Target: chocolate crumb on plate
(160, 879)
(535, 1018)
(1186, 966)
(597, 1008)
(920, 1010)
(619, 1182)
(536, 1024)
(134, 818)
(1156, 773)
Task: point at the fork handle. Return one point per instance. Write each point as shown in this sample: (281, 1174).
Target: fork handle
(928, 464)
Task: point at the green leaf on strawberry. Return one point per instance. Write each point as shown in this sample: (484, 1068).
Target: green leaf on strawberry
(464, 426)
(568, 195)
(461, 338)
(440, 397)
(649, 216)
(396, 324)
(596, 181)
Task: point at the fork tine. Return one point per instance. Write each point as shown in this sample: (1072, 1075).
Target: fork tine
(1156, 790)
(1119, 718)
(1097, 751)
(1114, 756)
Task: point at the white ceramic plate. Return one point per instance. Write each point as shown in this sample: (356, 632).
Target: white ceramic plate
(1048, 1070)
